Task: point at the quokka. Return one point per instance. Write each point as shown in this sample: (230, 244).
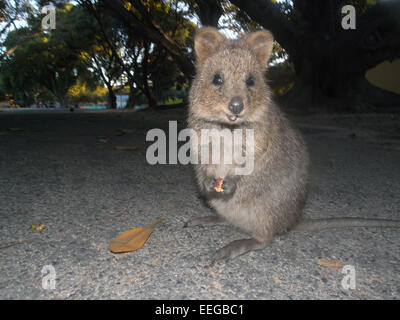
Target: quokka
(229, 91)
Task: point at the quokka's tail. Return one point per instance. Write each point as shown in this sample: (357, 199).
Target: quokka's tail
(330, 223)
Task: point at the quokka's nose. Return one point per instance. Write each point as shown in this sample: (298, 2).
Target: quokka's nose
(236, 105)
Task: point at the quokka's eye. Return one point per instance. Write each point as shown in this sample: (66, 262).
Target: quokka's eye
(250, 81)
(217, 80)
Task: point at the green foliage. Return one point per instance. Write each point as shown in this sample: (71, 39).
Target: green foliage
(93, 48)
(281, 78)
(81, 92)
(49, 61)
(237, 20)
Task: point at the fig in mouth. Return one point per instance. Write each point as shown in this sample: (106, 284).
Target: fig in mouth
(232, 117)
(218, 184)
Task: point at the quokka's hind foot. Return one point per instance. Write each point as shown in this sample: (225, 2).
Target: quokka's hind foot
(237, 248)
(205, 221)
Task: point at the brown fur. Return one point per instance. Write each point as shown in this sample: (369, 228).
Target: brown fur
(271, 198)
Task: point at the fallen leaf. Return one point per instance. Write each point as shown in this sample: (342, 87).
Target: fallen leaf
(329, 263)
(39, 227)
(133, 239)
(276, 280)
(103, 140)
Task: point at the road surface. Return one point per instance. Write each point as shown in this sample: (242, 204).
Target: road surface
(62, 169)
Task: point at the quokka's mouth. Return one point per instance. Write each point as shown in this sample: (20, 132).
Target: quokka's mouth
(232, 117)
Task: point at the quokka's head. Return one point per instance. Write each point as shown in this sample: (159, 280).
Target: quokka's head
(229, 86)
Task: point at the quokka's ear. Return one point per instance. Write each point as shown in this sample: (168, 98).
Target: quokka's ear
(261, 42)
(206, 41)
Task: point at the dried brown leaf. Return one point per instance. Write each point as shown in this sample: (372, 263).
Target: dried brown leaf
(132, 240)
(329, 263)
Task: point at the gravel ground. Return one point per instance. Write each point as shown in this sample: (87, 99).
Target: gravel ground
(62, 169)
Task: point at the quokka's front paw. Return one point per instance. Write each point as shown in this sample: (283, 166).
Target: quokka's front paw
(229, 186)
(209, 185)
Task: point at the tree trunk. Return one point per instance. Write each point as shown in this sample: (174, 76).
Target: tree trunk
(331, 62)
(130, 104)
(149, 95)
(61, 99)
(112, 98)
(209, 12)
(60, 95)
(145, 76)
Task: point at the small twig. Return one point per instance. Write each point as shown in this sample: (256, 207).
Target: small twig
(16, 243)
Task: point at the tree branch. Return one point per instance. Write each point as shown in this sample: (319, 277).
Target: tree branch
(141, 30)
(268, 15)
(209, 12)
